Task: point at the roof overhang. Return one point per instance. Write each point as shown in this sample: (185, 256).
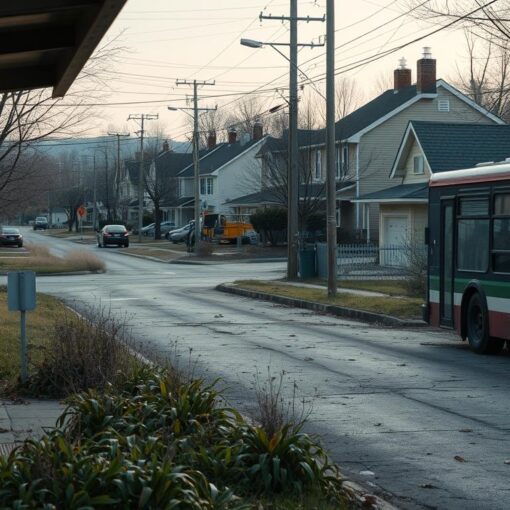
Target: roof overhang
(46, 43)
(391, 201)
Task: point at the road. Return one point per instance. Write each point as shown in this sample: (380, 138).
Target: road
(415, 408)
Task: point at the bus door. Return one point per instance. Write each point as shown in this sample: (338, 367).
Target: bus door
(446, 263)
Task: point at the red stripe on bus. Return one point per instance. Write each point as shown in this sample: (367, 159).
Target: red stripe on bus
(499, 322)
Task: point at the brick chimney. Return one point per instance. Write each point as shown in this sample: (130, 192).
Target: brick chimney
(401, 76)
(211, 140)
(426, 77)
(232, 136)
(258, 130)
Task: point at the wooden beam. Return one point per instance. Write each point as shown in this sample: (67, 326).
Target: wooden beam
(27, 78)
(39, 39)
(27, 7)
(87, 44)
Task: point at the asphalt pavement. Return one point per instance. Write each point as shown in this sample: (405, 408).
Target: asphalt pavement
(411, 413)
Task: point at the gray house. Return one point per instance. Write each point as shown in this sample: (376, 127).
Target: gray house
(368, 139)
(428, 148)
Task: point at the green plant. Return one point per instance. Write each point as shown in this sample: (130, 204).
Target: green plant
(270, 222)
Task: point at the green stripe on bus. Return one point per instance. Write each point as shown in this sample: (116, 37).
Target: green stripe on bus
(492, 288)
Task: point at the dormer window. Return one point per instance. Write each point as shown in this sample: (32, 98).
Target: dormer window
(418, 165)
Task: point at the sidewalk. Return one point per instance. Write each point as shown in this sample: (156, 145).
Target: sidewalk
(24, 419)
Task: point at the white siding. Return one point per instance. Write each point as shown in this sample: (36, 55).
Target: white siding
(410, 177)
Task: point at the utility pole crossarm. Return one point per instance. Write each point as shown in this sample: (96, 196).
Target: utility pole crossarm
(291, 18)
(196, 155)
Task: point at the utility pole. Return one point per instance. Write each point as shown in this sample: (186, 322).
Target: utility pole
(141, 118)
(293, 167)
(94, 197)
(330, 147)
(117, 170)
(196, 155)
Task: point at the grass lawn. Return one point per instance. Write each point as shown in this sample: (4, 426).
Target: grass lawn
(39, 326)
(391, 287)
(39, 259)
(403, 307)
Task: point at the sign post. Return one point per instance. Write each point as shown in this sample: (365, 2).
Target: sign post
(21, 297)
(82, 214)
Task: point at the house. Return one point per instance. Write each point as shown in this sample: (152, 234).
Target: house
(368, 139)
(428, 148)
(227, 170)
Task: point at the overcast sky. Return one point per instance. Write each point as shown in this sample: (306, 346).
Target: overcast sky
(199, 39)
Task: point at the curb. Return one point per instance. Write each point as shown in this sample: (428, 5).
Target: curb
(339, 311)
(231, 261)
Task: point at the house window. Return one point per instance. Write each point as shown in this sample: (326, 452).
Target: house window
(318, 166)
(443, 105)
(210, 186)
(418, 165)
(338, 216)
(202, 186)
(345, 160)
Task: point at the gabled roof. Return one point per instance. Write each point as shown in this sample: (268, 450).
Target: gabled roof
(133, 168)
(452, 146)
(46, 43)
(171, 163)
(372, 114)
(404, 193)
(222, 154)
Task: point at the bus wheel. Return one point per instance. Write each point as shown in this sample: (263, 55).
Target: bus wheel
(478, 328)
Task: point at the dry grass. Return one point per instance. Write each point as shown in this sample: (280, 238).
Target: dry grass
(390, 287)
(40, 260)
(39, 332)
(404, 307)
(84, 351)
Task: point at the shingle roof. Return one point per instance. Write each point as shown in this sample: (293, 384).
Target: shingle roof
(219, 156)
(402, 192)
(171, 163)
(133, 168)
(350, 124)
(449, 146)
(274, 196)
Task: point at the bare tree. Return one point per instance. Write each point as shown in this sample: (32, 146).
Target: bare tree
(27, 117)
(486, 78)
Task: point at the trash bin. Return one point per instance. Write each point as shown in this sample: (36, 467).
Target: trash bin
(307, 263)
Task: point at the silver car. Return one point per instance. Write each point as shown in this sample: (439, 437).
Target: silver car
(180, 234)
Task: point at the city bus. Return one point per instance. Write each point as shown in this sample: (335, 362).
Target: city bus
(469, 254)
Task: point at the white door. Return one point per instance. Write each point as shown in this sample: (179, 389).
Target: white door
(395, 236)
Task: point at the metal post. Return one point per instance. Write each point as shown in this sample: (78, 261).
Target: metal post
(293, 170)
(140, 185)
(196, 167)
(330, 148)
(23, 343)
(94, 197)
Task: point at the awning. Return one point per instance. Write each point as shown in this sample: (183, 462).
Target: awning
(46, 43)
(402, 194)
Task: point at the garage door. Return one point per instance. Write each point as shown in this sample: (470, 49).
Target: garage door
(395, 235)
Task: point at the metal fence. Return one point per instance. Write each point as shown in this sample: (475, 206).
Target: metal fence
(369, 261)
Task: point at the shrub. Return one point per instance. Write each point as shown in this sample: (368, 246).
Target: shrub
(415, 282)
(155, 441)
(84, 353)
(270, 222)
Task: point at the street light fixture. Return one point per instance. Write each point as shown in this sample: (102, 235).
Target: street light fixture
(293, 169)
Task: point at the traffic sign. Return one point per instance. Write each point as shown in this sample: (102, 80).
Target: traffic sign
(82, 212)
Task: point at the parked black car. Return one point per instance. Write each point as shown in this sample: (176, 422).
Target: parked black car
(10, 236)
(113, 234)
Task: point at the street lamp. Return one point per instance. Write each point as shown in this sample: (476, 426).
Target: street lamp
(293, 170)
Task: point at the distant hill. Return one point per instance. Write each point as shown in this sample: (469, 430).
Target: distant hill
(87, 146)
